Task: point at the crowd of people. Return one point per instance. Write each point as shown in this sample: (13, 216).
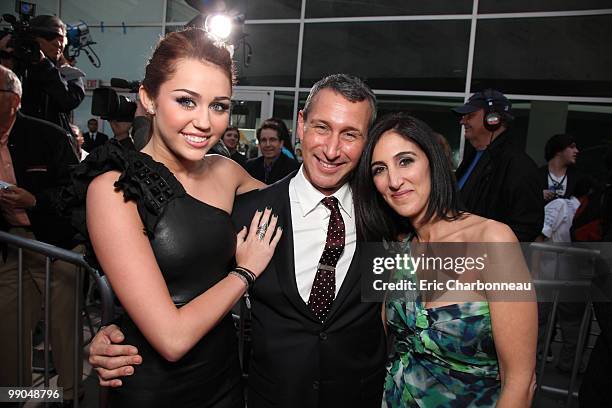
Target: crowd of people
(183, 235)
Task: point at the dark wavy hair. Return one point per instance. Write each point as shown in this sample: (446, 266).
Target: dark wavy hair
(375, 219)
(556, 144)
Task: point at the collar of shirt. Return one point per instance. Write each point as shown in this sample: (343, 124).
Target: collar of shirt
(4, 137)
(308, 197)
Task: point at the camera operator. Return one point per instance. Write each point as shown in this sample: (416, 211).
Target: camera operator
(49, 92)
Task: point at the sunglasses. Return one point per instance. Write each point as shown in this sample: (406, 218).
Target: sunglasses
(50, 36)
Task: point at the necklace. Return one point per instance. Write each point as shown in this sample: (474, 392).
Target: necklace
(556, 184)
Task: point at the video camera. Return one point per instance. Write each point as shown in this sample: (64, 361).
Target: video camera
(109, 105)
(25, 48)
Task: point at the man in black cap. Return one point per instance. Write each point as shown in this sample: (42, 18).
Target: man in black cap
(49, 93)
(497, 179)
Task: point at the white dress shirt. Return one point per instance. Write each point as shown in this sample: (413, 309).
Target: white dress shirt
(310, 219)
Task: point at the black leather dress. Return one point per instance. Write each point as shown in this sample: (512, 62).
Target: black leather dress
(194, 244)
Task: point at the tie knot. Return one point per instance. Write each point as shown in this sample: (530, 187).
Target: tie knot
(331, 203)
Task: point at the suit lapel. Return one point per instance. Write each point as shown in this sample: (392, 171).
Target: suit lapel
(283, 257)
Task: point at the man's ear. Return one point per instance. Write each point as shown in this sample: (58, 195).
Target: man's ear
(15, 102)
(300, 126)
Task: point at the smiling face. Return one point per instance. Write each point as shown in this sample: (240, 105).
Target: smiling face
(401, 174)
(230, 139)
(333, 137)
(473, 123)
(191, 110)
(270, 144)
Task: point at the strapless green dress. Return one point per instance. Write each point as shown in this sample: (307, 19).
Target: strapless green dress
(442, 357)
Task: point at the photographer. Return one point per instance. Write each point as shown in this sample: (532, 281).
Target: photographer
(48, 92)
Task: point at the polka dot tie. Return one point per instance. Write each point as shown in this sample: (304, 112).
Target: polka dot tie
(324, 285)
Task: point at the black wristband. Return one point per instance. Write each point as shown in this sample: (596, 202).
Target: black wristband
(248, 271)
(245, 273)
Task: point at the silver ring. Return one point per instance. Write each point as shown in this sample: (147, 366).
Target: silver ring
(261, 231)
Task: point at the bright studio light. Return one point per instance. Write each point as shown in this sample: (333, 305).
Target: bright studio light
(219, 25)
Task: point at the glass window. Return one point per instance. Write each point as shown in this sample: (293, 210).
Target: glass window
(511, 6)
(42, 7)
(179, 11)
(283, 107)
(549, 56)
(591, 125)
(265, 9)
(268, 56)
(434, 111)
(122, 55)
(112, 11)
(406, 55)
(343, 8)
(537, 121)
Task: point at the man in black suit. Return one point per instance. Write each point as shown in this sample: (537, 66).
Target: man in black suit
(35, 160)
(307, 351)
(272, 165)
(93, 138)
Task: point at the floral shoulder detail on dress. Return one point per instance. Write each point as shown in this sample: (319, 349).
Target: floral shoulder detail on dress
(143, 180)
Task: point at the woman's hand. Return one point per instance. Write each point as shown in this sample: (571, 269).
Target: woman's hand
(255, 247)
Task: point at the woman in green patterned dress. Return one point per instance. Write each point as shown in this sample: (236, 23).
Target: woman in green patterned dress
(449, 349)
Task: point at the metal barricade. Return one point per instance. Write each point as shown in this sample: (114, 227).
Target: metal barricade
(558, 283)
(52, 252)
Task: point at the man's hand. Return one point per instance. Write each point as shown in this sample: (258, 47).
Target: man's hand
(16, 197)
(548, 195)
(6, 62)
(121, 130)
(112, 360)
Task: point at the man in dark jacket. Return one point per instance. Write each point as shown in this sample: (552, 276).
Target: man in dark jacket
(272, 165)
(48, 93)
(497, 179)
(558, 177)
(35, 161)
(93, 138)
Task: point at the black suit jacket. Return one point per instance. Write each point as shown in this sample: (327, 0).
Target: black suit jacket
(89, 144)
(298, 361)
(573, 176)
(281, 168)
(42, 159)
(504, 186)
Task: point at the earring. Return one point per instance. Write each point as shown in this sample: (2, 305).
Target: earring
(150, 111)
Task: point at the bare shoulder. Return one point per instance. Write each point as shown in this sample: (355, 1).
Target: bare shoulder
(494, 231)
(473, 228)
(104, 183)
(219, 163)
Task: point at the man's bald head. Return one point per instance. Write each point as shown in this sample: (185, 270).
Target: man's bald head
(10, 98)
(9, 82)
